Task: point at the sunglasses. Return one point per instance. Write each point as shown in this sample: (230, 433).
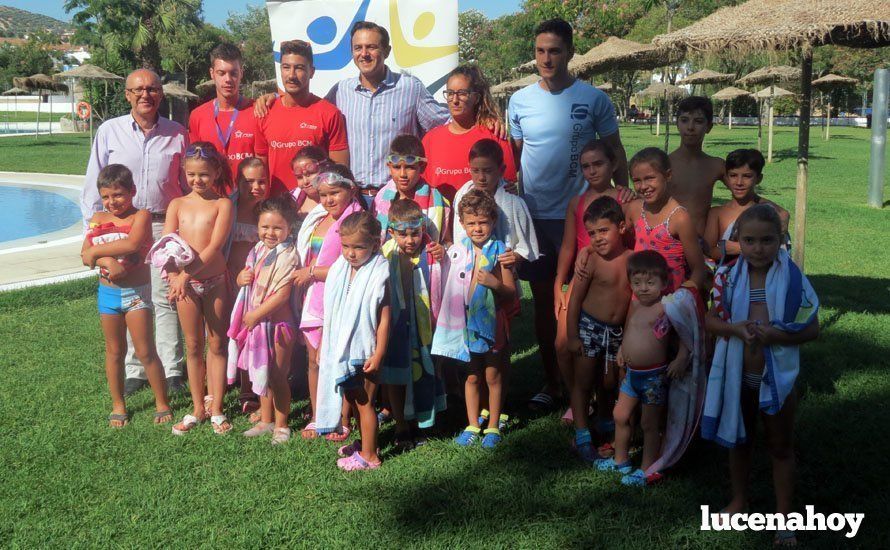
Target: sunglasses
(409, 160)
(198, 151)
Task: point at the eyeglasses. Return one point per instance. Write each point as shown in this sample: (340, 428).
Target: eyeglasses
(461, 94)
(198, 151)
(333, 179)
(409, 160)
(152, 90)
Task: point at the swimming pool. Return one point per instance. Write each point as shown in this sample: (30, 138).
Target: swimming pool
(28, 212)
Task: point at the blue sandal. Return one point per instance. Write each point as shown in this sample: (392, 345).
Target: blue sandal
(637, 478)
(609, 465)
(468, 437)
(492, 438)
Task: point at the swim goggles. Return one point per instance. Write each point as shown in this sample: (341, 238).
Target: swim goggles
(404, 226)
(409, 160)
(200, 151)
(332, 178)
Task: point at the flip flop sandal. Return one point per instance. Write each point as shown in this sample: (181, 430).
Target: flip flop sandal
(383, 416)
(186, 424)
(342, 435)
(542, 402)
(260, 428)
(356, 462)
(280, 436)
(351, 449)
(162, 414)
(124, 419)
(221, 424)
(308, 432)
(609, 465)
(568, 418)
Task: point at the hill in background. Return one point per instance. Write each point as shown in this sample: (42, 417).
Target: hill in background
(16, 23)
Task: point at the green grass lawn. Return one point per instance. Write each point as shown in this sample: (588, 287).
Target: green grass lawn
(21, 116)
(71, 481)
(57, 154)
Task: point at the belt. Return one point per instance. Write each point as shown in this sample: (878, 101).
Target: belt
(158, 216)
(368, 191)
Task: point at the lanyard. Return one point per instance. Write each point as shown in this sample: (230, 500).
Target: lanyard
(224, 139)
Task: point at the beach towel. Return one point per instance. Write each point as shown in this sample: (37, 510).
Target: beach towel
(408, 361)
(251, 350)
(514, 225)
(793, 305)
(104, 233)
(466, 324)
(430, 200)
(313, 302)
(170, 250)
(686, 395)
(349, 337)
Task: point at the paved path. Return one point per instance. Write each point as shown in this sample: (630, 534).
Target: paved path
(49, 257)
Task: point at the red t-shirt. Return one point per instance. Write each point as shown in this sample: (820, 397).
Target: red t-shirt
(286, 130)
(448, 164)
(202, 127)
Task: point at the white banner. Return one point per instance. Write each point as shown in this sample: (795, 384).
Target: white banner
(423, 34)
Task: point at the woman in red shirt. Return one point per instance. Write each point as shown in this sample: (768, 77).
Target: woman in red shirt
(473, 113)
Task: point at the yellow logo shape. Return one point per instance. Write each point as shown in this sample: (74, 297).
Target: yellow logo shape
(407, 54)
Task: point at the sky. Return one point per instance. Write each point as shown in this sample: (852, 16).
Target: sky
(221, 8)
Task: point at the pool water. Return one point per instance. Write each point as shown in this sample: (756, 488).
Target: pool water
(28, 212)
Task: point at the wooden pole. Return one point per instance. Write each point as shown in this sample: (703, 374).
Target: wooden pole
(803, 158)
(667, 123)
(769, 145)
(828, 121)
(760, 125)
(822, 105)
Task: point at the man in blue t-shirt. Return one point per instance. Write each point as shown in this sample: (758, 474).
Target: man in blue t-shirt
(550, 122)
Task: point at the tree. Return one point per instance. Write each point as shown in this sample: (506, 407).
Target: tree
(471, 25)
(187, 51)
(133, 25)
(25, 60)
(251, 31)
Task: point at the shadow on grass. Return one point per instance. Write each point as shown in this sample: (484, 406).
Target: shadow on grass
(853, 293)
(791, 153)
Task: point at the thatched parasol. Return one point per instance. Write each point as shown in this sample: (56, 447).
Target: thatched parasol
(260, 87)
(771, 91)
(608, 87)
(41, 83)
(205, 88)
(729, 94)
(14, 92)
(707, 76)
(178, 91)
(772, 76)
(794, 25)
(826, 84)
(665, 94)
(87, 72)
(507, 88)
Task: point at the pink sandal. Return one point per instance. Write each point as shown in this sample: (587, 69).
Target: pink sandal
(356, 462)
(342, 435)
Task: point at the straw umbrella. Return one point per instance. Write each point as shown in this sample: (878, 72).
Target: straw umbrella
(771, 76)
(506, 88)
(789, 25)
(729, 94)
(40, 82)
(826, 84)
(87, 72)
(175, 90)
(259, 87)
(665, 93)
(14, 92)
(706, 76)
(618, 54)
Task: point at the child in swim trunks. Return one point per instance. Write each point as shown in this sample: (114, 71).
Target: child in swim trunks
(124, 293)
(200, 290)
(645, 353)
(596, 314)
(744, 172)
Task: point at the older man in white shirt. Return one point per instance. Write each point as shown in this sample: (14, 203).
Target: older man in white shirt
(152, 148)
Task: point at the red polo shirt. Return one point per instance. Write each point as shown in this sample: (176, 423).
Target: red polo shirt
(203, 126)
(286, 130)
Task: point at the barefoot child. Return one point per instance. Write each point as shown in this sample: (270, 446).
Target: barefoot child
(694, 171)
(355, 336)
(764, 309)
(251, 187)
(660, 223)
(644, 352)
(264, 328)
(319, 246)
(307, 163)
(596, 314)
(412, 382)
(473, 323)
(744, 172)
(117, 241)
(597, 162)
(203, 219)
(406, 162)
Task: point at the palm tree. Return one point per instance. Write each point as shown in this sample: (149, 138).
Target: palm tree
(133, 25)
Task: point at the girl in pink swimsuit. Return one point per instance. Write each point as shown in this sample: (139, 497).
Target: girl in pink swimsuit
(660, 223)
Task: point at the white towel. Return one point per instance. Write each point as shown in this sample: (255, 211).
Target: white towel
(793, 305)
(349, 336)
(514, 225)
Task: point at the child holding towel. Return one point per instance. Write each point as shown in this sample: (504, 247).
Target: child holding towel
(355, 337)
(764, 309)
